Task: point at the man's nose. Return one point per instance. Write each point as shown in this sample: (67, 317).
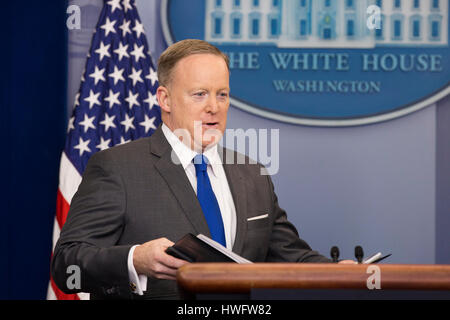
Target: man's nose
(212, 105)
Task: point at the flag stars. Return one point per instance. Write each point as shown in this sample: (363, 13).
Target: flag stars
(125, 26)
(103, 51)
(104, 144)
(109, 26)
(113, 98)
(128, 123)
(77, 100)
(151, 100)
(132, 99)
(115, 4)
(70, 126)
(87, 123)
(113, 83)
(135, 76)
(83, 146)
(149, 123)
(152, 76)
(122, 51)
(138, 52)
(97, 75)
(117, 75)
(127, 6)
(108, 122)
(92, 99)
(123, 141)
(138, 28)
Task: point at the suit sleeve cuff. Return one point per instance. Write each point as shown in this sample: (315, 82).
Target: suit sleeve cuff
(138, 283)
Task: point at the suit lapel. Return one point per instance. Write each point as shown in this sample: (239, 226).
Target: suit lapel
(239, 193)
(178, 182)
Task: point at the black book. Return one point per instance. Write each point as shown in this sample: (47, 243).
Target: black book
(203, 249)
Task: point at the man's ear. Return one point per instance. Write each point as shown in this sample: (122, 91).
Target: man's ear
(162, 94)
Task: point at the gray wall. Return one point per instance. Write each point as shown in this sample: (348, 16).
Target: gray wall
(372, 186)
(443, 181)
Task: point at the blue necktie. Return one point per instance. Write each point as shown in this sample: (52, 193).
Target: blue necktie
(208, 201)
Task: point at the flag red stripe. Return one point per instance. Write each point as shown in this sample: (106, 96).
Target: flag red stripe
(62, 209)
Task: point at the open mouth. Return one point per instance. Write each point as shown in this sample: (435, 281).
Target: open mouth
(210, 124)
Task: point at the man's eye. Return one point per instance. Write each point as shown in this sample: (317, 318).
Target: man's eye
(199, 94)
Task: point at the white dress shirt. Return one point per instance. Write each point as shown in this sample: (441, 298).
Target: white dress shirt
(219, 184)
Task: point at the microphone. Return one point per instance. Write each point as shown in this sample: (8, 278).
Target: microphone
(334, 253)
(359, 253)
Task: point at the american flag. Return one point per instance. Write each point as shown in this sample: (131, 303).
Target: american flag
(116, 103)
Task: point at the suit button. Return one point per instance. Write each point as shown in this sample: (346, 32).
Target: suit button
(111, 290)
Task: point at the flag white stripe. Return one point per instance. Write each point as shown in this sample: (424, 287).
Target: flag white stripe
(69, 178)
(50, 293)
(56, 232)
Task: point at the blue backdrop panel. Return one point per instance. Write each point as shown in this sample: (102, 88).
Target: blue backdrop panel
(33, 81)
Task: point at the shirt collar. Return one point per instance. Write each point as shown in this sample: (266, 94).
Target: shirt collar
(186, 154)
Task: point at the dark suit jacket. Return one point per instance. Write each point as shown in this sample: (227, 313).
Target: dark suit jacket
(134, 193)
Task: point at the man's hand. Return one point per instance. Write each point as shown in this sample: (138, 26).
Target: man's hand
(151, 259)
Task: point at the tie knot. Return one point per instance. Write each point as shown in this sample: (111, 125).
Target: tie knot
(200, 162)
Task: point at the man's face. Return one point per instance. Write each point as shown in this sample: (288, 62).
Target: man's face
(197, 98)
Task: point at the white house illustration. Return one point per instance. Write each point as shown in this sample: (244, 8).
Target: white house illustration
(326, 23)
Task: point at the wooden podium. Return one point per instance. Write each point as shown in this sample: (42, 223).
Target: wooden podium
(291, 280)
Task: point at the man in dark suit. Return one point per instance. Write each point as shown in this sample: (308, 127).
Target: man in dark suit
(136, 199)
